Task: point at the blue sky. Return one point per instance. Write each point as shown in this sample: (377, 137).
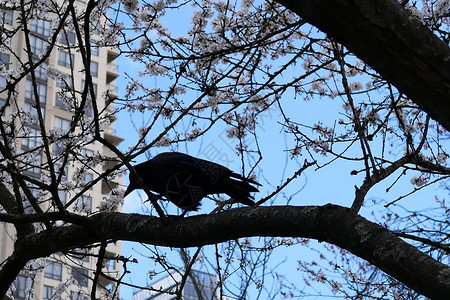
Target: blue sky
(333, 184)
(311, 188)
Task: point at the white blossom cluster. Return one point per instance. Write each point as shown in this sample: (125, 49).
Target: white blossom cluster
(113, 201)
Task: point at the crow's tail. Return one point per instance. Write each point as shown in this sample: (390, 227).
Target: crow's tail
(240, 191)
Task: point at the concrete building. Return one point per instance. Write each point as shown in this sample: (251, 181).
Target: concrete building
(60, 269)
(196, 282)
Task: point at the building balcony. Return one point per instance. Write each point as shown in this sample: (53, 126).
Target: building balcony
(111, 66)
(112, 91)
(111, 73)
(112, 54)
(111, 137)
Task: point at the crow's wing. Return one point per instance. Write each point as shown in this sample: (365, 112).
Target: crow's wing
(184, 190)
(175, 162)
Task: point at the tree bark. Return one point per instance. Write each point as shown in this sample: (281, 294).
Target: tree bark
(393, 42)
(330, 223)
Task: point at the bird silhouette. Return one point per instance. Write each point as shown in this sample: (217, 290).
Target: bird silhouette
(184, 180)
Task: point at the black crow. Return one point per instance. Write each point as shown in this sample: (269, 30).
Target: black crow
(185, 180)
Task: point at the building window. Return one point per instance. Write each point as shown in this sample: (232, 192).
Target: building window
(2, 106)
(94, 48)
(88, 109)
(35, 190)
(61, 124)
(47, 293)
(61, 100)
(65, 82)
(37, 45)
(189, 291)
(27, 207)
(64, 97)
(80, 275)
(94, 86)
(31, 111)
(4, 64)
(65, 59)
(6, 16)
(2, 82)
(67, 38)
(76, 296)
(88, 178)
(32, 138)
(41, 71)
(83, 204)
(59, 172)
(110, 264)
(81, 254)
(4, 59)
(41, 27)
(58, 149)
(41, 89)
(94, 69)
(32, 163)
(23, 287)
(53, 270)
(204, 282)
(62, 196)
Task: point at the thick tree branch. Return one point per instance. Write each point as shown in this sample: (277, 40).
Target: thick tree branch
(333, 224)
(375, 178)
(393, 42)
(9, 204)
